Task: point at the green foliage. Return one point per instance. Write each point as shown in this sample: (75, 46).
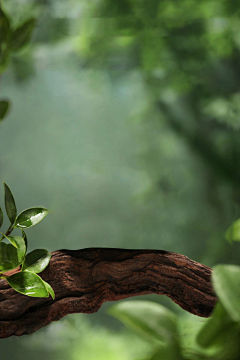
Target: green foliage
(217, 338)
(155, 323)
(5, 37)
(21, 35)
(25, 239)
(189, 60)
(226, 282)
(13, 39)
(36, 261)
(214, 331)
(19, 243)
(1, 217)
(10, 204)
(28, 283)
(9, 257)
(4, 108)
(30, 217)
(233, 232)
(49, 289)
(12, 255)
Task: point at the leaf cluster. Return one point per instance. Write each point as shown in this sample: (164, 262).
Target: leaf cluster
(13, 251)
(12, 40)
(174, 338)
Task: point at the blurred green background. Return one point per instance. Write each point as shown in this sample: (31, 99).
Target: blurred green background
(124, 123)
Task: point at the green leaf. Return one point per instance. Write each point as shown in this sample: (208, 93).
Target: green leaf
(4, 27)
(233, 232)
(30, 217)
(19, 243)
(36, 261)
(25, 239)
(226, 283)
(49, 289)
(4, 107)
(4, 60)
(22, 35)
(10, 204)
(152, 321)
(167, 353)
(28, 283)
(1, 217)
(215, 328)
(9, 258)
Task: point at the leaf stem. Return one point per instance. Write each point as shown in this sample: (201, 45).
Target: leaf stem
(8, 232)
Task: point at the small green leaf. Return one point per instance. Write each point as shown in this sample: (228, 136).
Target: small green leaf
(152, 321)
(1, 217)
(22, 35)
(10, 204)
(30, 217)
(28, 283)
(49, 289)
(233, 232)
(19, 243)
(215, 328)
(4, 107)
(226, 283)
(9, 257)
(36, 261)
(25, 239)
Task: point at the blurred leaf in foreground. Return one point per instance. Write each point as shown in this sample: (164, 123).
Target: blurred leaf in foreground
(152, 321)
(22, 35)
(226, 283)
(4, 108)
(233, 232)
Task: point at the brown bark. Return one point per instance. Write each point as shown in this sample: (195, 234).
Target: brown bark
(84, 279)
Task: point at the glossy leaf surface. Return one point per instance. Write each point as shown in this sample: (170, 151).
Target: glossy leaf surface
(49, 289)
(10, 205)
(30, 217)
(36, 261)
(226, 283)
(19, 243)
(152, 321)
(28, 283)
(9, 258)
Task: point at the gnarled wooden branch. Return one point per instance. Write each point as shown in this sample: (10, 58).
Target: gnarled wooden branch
(84, 279)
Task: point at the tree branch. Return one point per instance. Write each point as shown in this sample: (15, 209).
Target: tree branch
(84, 279)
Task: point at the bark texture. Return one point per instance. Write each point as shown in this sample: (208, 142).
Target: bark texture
(83, 279)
